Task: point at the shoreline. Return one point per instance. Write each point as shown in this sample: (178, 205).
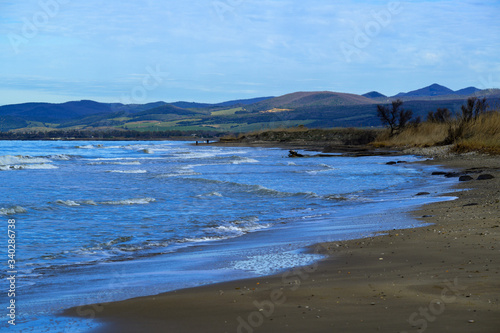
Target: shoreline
(436, 276)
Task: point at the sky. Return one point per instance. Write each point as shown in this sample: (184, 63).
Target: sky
(217, 50)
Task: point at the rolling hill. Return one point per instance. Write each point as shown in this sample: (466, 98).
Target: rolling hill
(312, 109)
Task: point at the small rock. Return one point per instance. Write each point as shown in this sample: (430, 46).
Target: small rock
(423, 193)
(401, 162)
(485, 177)
(453, 174)
(424, 216)
(465, 178)
(471, 321)
(439, 173)
(391, 163)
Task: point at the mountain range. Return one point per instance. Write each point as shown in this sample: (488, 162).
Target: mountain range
(313, 109)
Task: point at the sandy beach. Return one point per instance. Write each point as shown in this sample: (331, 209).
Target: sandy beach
(442, 277)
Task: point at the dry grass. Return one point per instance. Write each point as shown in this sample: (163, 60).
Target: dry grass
(424, 135)
(482, 134)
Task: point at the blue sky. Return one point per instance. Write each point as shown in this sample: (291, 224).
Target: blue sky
(216, 50)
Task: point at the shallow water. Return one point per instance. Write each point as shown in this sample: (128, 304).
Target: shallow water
(103, 221)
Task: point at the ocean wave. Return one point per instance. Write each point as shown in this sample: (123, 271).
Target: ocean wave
(19, 159)
(69, 203)
(115, 163)
(88, 147)
(13, 210)
(241, 160)
(141, 201)
(258, 189)
(239, 227)
(325, 168)
(62, 157)
(19, 162)
(203, 239)
(127, 171)
(211, 194)
(336, 197)
(112, 159)
(73, 203)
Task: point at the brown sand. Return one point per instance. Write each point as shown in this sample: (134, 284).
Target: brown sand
(438, 278)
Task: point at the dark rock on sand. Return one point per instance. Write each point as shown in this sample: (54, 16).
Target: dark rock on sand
(439, 173)
(453, 174)
(465, 178)
(391, 163)
(423, 193)
(485, 177)
(401, 162)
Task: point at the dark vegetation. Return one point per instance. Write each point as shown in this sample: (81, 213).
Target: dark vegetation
(473, 128)
(105, 135)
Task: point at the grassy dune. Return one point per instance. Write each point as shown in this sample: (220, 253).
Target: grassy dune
(481, 134)
(338, 136)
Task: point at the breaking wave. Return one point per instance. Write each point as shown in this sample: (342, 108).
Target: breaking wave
(128, 171)
(9, 162)
(72, 203)
(142, 201)
(69, 203)
(115, 163)
(12, 210)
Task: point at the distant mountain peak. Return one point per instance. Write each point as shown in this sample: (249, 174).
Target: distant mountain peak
(374, 94)
(437, 90)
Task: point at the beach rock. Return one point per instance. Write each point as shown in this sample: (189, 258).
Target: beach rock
(465, 178)
(422, 193)
(453, 174)
(485, 177)
(391, 163)
(293, 153)
(439, 173)
(401, 162)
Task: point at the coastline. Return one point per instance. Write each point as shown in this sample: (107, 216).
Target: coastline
(440, 277)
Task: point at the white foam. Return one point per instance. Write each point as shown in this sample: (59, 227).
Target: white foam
(141, 201)
(202, 239)
(274, 262)
(115, 163)
(86, 147)
(19, 162)
(245, 160)
(12, 210)
(211, 194)
(69, 203)
(128, 171)
(10, 160)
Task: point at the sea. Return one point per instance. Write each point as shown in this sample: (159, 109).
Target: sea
(104, 221)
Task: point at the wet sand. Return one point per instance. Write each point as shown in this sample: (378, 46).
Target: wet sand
(437, 278)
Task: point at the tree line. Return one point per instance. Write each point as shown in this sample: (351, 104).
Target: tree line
(75, 134)
(396, 118)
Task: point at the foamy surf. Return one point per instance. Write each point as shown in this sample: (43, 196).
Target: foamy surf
(12, 210)
(141, 201)
(127, 171)
(77, 203)
(19, 162)
(275, 262)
